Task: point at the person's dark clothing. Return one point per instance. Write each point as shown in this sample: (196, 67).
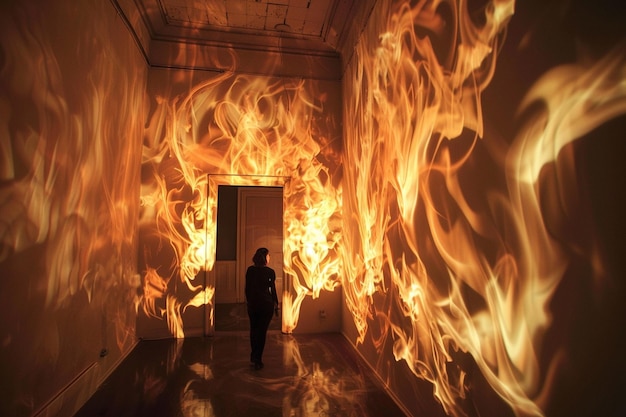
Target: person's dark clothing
(261, 300)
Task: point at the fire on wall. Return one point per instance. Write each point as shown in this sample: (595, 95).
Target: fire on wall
(459, 186)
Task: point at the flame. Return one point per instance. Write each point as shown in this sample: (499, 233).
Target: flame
(320, 387)
(426, 259)
(238, 130)
(69, 168)
(67, 171)
(418, 236)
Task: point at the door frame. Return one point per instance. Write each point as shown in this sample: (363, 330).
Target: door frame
(213, 182)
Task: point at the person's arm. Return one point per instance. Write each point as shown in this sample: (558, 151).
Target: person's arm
(248, 287)
(273, 290)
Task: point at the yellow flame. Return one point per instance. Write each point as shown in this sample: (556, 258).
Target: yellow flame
(240, 130)
(67, 163)
(319, 388)
(415, 221)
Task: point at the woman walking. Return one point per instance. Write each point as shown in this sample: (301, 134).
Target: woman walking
(261, 301)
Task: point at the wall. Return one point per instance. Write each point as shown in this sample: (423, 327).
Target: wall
(206, 129)
(71, 100)
(482, 255)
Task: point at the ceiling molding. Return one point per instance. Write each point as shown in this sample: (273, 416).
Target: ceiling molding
(176, 34)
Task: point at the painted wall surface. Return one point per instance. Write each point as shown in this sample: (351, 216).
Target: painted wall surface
(71, 118)
(209, 129)
(483, 218)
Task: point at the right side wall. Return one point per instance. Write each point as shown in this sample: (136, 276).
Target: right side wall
(483, 212)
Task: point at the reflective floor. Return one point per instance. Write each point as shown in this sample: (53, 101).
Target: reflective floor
(304, 375)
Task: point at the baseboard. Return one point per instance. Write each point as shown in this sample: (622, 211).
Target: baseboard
(380, 381)
(75, 394)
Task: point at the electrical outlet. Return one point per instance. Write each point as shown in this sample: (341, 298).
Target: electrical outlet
(322, 314)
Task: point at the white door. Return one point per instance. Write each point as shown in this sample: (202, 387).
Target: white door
(260, 225)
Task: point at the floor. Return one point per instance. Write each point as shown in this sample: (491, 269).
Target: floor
(304, 375)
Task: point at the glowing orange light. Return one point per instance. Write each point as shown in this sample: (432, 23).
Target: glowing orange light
(254, 130)
(412, 218)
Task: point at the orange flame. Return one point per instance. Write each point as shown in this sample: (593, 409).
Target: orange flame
(67, 170)
(416, 221)
(412, 234)
(244, 131)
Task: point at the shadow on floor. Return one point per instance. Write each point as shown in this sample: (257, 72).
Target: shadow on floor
(304, 375)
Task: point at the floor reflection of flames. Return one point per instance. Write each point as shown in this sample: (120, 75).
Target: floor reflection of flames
(303, 375)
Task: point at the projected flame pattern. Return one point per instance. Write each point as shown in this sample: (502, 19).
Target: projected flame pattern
(59, 165)
(69, 181)
(441, 264)
(427, 258)
(238, 130)
(442, 235)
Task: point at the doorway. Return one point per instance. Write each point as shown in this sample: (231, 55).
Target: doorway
(248, 217)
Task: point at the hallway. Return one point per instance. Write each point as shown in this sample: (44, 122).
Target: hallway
(304, 375)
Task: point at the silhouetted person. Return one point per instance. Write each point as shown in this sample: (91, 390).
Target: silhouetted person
(262, 301)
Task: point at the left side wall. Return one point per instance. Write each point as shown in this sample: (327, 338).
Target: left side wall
(72, 84)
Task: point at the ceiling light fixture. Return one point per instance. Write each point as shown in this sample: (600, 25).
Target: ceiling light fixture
(282, 27)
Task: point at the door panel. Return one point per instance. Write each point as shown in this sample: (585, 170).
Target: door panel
(261, 225)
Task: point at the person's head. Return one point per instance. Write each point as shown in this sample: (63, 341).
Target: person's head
(260, 257)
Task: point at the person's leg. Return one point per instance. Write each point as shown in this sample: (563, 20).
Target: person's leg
(255, 326)
(264, 320)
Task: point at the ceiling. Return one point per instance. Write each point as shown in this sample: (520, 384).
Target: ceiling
(261, 17)
(296, 32)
